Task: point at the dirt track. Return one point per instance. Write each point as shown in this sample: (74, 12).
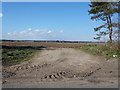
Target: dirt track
(62, 67)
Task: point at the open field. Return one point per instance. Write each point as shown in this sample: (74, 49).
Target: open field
(60, 44)
(62, 68)
(47, 44)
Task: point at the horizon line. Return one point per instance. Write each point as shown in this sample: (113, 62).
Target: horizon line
(52, 40)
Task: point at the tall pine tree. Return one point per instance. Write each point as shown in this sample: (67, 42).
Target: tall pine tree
(104, 11)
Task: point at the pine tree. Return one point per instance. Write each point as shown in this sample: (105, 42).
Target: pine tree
(104, 11)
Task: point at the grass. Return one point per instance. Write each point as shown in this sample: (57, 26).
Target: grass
(16, 55)
(107, 49)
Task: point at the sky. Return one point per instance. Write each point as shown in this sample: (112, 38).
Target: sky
(58, 0)
(47, 21)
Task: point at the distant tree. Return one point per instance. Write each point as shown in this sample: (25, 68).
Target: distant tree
(57, 41)
(104, 11)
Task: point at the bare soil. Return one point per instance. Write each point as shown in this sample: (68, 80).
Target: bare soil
(62, 68)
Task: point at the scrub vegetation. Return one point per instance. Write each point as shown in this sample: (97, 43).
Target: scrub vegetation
(108, 49)
(16, 54)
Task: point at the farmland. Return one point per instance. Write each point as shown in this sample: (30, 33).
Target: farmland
(99, 48)
(15, 52)
(49, 64)
(47, 44)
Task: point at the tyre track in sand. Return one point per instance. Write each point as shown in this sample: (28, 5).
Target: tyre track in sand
(54, 66)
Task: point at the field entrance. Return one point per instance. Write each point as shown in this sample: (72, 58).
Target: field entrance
(61, 67)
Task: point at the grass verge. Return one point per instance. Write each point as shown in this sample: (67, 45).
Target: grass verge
(109, 50)
(12, 56)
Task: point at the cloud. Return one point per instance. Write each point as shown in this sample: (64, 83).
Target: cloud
(29, 29)
(31, 34)
(1, 15)
(49, 31)
(61, 31)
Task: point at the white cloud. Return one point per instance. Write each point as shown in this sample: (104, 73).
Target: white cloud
(29, 29)
(35, 34)
(9, 33)
(61, 31)
(1, 15)
(49, 31)
(31, 34)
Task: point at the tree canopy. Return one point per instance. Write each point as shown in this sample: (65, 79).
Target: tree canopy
(104, 11)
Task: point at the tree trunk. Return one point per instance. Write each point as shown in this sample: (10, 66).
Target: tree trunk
(111, 30)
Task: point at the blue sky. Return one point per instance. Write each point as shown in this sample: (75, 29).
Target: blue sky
(0, 20)
(47, 21)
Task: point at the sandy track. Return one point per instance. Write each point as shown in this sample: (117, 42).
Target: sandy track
(52, 68)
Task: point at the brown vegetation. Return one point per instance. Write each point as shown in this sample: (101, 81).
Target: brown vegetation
(47, 44)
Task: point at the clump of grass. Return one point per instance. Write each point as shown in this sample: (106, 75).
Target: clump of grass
(107, 49)
(16, 55)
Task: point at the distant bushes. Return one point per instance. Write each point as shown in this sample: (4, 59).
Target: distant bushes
(22, 47)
